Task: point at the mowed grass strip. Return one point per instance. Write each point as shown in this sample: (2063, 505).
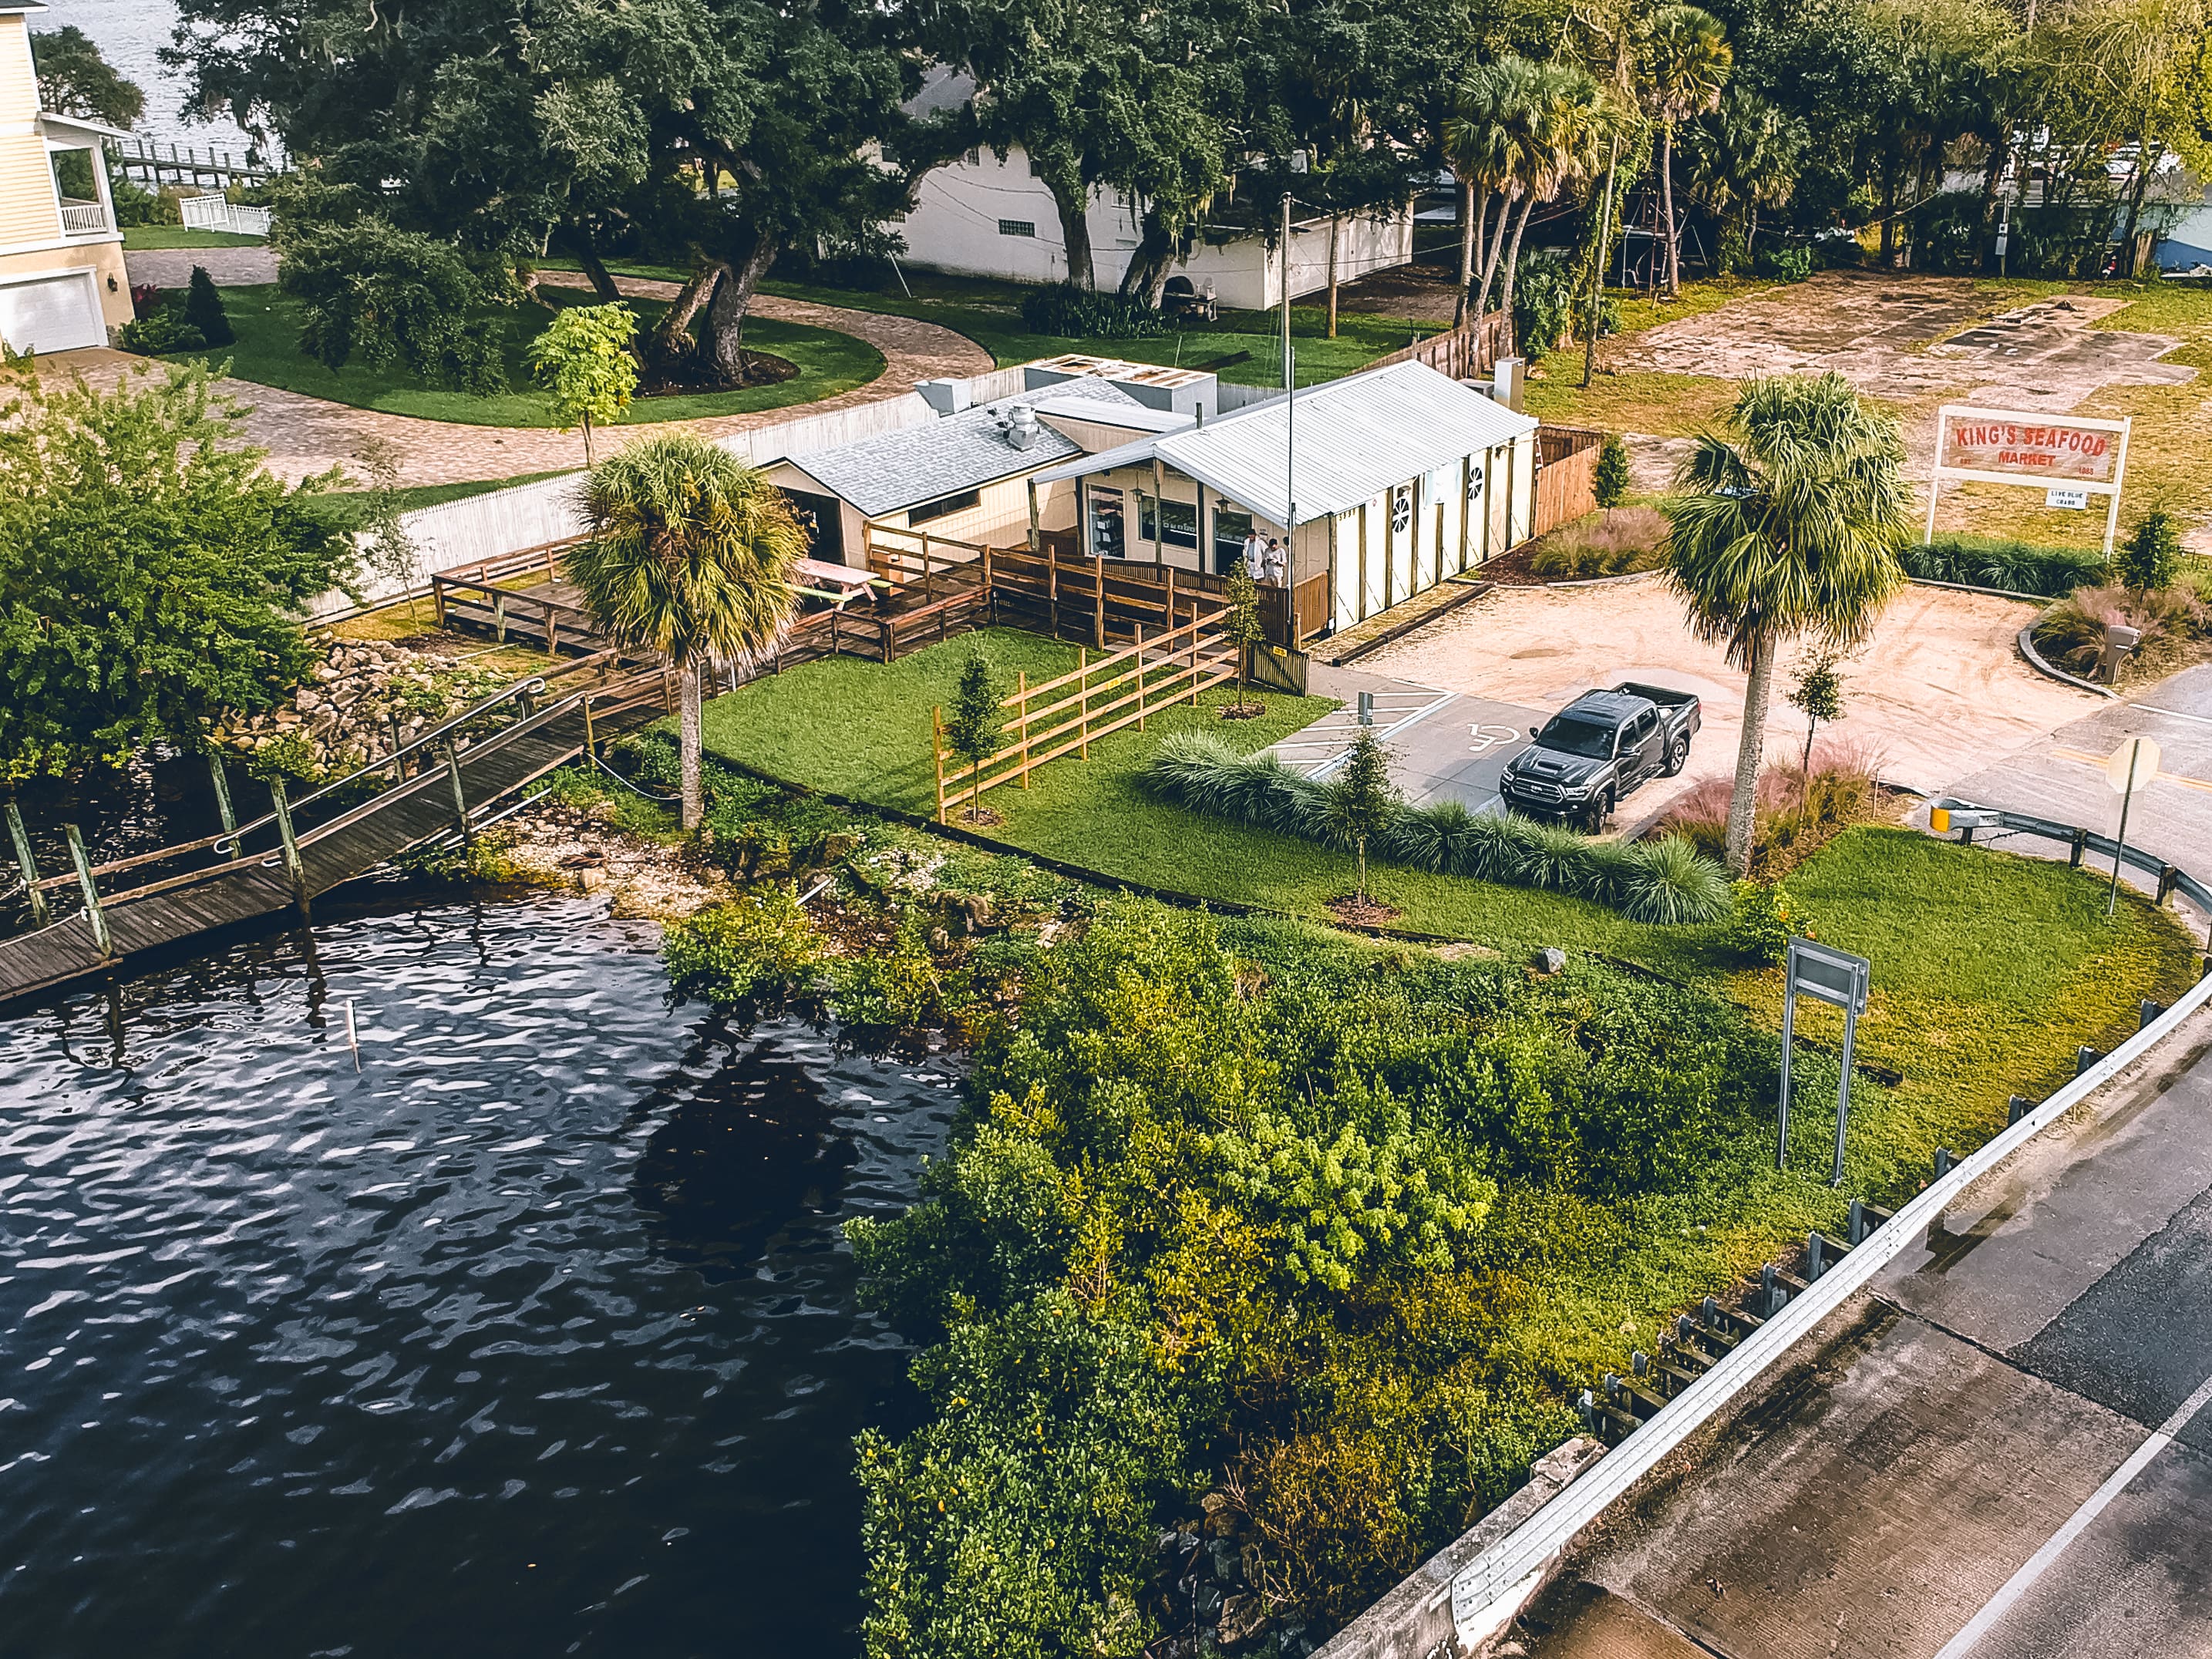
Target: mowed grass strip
(267, 352)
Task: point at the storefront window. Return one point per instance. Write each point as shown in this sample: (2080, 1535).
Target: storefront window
(1177, 524)
(1107, 540)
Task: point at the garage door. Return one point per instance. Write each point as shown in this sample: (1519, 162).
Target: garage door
(52, 313)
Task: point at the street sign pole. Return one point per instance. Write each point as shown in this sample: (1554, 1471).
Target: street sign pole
(1839, 979)
(2136, 760)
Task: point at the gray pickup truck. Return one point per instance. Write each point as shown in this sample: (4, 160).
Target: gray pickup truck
(1597, 749)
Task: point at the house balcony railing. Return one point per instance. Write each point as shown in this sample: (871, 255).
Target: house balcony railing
(84, 219)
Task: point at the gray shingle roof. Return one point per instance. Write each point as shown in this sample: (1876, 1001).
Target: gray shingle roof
(898, 469)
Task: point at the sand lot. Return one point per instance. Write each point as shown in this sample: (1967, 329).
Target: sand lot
(1939, 693)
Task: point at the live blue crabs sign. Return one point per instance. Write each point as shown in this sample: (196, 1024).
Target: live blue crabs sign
(1839, 979)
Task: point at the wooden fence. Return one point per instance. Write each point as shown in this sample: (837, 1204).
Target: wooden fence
(1566, 476)
(1062, 716)
(1469, 352)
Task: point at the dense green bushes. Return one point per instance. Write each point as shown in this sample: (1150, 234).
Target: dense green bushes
(1249, 1225)
(1652, 882)
(1080, 313)
(1994, 561)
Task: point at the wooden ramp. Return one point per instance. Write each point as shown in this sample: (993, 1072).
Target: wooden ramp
(247, 884)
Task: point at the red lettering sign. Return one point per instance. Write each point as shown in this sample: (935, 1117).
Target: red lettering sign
(2040, 449)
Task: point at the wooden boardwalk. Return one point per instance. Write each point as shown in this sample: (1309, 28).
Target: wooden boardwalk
(251, 883)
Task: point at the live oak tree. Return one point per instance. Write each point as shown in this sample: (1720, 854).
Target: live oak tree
(74, 79)
(152, 573)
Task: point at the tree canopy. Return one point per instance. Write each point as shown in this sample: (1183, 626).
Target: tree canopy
(152, 574)
(74, 79)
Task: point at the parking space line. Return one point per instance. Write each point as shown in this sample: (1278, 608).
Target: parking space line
(2039, 1564)
(2172, 714)
(1443, 700)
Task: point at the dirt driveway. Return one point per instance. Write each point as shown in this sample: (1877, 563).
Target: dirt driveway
(1938, 694)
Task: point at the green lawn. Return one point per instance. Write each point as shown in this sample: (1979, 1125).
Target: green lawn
(136, 238)
(1245, 347)
(1989, 967)
(267, 352)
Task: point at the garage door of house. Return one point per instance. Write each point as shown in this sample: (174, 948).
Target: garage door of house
(52, 313)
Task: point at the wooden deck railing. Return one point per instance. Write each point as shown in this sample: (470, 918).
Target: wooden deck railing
(1064, 715)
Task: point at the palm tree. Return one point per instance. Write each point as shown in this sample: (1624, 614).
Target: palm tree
(1480, 148)
(1686, 63)
(1560, 119)
(1791, 530)
(1745, 156)
(689, 554)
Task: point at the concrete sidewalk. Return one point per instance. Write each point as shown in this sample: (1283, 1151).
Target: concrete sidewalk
(2002, 1451)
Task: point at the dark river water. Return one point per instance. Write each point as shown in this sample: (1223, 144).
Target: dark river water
(535, 1335)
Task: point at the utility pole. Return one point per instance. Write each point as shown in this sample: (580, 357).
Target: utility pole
(1290, 412)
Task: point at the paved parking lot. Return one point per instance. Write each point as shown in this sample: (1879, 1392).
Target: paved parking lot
(1442, 745)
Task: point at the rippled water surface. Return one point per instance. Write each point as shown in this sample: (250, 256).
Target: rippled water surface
(535, 1335)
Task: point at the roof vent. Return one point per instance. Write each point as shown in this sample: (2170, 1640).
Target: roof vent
(1022, 426)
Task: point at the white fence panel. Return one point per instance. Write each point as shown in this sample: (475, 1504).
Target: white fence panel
(214, 213)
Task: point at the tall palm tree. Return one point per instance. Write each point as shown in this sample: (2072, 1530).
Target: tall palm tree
(1744, 156)
(1791, 529)
(1686, 61)
(1481, 148)
(1561, 123)
(690, 553)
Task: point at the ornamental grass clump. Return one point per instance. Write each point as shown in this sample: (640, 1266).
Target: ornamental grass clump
(1665, 882)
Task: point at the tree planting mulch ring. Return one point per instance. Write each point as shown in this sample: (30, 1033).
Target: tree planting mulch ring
(1243, 711)
(1356, 912)
(696, 373)
(978, 817)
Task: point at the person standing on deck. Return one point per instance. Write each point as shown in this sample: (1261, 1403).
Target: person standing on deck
(1275, 564)
(1255, 553)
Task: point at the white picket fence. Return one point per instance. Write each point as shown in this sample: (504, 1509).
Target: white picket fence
(214, 213)
(531, 514)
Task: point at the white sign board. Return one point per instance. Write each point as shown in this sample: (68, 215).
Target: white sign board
(2071, 457)
(2133, 764)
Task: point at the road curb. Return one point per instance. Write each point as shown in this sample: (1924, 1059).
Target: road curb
(2035, 660)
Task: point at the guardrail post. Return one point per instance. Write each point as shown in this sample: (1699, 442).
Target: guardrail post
(2016, 1107)
(2078, 850)
(2084, 1057)
(294, 867)
(92, 910)
(1816, 1256)
(24, 861)
(2148, 1012)
(2168, 878)
(1944, 1160)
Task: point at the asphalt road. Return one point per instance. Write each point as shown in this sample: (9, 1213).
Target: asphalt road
(2064, 777)
(2004, 1453)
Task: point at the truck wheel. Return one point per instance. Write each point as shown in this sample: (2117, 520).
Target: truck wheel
(1598, 812)
(1677, 756)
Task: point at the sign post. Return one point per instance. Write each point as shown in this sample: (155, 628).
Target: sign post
(1839, 979)
(2136, 760)
(2069, 458)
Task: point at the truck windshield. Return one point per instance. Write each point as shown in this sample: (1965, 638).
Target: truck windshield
(1578, 737)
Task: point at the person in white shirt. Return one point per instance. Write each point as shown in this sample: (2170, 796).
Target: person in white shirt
(1275, 564)
(1256, 556)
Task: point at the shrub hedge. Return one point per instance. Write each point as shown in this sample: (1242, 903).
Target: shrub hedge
(1078, 314)
(1665, 882)
(1991, 561)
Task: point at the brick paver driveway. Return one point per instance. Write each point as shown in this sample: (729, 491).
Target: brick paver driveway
(305, 435)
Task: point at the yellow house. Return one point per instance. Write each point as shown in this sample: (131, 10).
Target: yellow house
(62, 281)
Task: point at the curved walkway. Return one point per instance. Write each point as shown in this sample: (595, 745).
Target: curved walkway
(305, 435)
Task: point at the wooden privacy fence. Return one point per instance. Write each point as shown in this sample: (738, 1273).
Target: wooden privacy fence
(1469, 352)
(1063, 716)
(1566, 476)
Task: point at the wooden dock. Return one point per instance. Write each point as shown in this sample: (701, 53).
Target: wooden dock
(432, 787)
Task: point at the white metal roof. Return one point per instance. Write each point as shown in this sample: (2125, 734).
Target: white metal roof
(1356, 437)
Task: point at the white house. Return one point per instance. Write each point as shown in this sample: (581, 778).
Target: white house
(1390, 482)
(982, 217)
(62, 282)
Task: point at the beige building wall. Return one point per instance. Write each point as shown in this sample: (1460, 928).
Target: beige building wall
(29, 210)
(18, 85)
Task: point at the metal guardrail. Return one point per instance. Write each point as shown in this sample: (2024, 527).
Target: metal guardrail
(2171, 879)
(1527, 1552)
